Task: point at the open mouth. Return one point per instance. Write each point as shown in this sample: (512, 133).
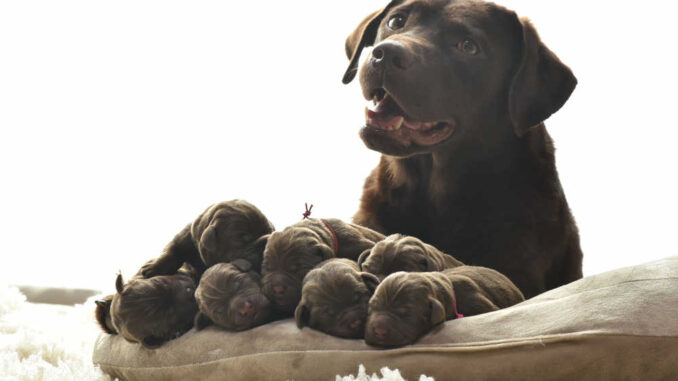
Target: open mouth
(385, 115)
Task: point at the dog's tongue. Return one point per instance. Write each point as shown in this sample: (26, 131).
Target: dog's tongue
(387, 115)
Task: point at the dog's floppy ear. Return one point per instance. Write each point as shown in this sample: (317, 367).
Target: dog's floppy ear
(208, 241)
(302, 315)
(437, 311)
(152, 342)
(119, 284)
(541, 85)
(370, 280)
(363, 36)
(201, 321)
(242, 264)
(324, 251)
(363, 256)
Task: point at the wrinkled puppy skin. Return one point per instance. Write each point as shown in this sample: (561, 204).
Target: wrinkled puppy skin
(404, 253)
(293, 252)
(222, 233)
(102, 313)
(405, 306)
(229, 295)
(334, 298)
(155, 310)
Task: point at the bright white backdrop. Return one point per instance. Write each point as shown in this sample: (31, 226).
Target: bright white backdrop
(121, 121)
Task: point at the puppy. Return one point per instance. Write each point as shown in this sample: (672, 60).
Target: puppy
(405, 306)
(222, 233)
(155, 310)
(102, 313)
(229, 295)
(334, 298)
(293, 252)
(403, 253)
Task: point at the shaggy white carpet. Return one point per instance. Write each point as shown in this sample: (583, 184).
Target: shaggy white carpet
(46, 342)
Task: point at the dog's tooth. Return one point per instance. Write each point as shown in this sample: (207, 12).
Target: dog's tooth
(398, 123)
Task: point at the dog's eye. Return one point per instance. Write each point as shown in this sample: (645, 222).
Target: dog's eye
(396, 22)
(468, 47)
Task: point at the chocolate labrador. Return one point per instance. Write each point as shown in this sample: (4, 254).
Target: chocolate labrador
(405, 306)
(460, 90)
(293, 252)
(404, 253)
(224, 232)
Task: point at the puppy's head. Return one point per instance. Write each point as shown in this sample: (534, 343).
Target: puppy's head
(443, 73)
(288, 256)
(230, 230)
(102, 313)
(155, 310)
(402, 309)
(229, 295)
(334, 299)
(399, 253)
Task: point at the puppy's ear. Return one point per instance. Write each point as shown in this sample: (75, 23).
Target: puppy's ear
(363, 36)
(363, 256)
(242, 265)
(370, 280)
(302, 315)
(438, 314)
(119, 284)
(323, 251)
(541, 85)
(152, 342)
(201, 321)
(208, 241)
(255, 254)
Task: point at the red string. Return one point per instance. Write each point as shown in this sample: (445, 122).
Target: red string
(307, 214)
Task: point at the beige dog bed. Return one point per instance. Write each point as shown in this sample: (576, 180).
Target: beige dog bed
(621, 325)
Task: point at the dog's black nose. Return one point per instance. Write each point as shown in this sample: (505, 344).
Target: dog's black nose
(391, 53)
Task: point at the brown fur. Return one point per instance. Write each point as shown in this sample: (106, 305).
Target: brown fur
(334, 298)
(404, 253)
(293, 252)
(229, 295)
(481, 184)
(155, 310)
(102, 313)
(405, 306)
(222, 233)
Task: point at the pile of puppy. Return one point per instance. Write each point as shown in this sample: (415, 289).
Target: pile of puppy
(231, 269)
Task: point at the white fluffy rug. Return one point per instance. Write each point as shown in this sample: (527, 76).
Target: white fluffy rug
(43, 342)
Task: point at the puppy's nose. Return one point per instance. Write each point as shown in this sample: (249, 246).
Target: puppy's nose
(279, 290)
(380, 331)
(391, 53)
(355, 324)
(246, 309)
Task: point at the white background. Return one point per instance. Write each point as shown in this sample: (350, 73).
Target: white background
(120, 121)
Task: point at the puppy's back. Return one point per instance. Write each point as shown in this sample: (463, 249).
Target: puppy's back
(482, 282)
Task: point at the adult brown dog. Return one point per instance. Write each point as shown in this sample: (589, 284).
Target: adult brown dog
(406, 306)
(224, 232)
(334, 298)
(404, 253)
(461, 89)
(290, 254)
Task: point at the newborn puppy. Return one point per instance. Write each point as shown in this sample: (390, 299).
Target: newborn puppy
(222, 233)
(102, 313)
(293, 252)
(229, 295)
(405, 306)
(155, 310)
(334, 299)
(404, 253)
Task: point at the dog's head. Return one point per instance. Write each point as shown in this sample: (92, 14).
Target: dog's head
(154, 310)
(400, 253)
(402, 309)
(445, 71)
(288, 257)
(229, 295)
(334, 299)
(102, 313)
(231, 230)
